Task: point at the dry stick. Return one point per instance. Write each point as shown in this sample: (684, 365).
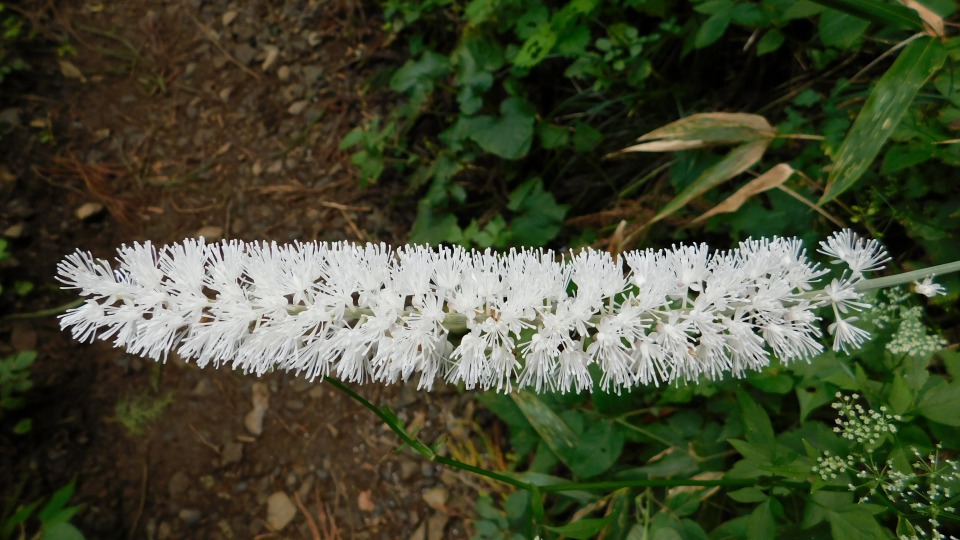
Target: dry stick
(140, 505)
(306, 514)
(212, 37)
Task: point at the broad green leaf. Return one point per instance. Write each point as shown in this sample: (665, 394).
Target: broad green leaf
(762, 524)
(548, 425)
(888, 102)
(583, 528)
(585, 137)
(771, 41)
(756, 424)
(539, 217)
(748, 495)
(878, 11)
(712, 29)
(855, 523)
(738, 160)
(599, 448)
(536, 48)
(419, 75)
(509, 135)
(840, 30)
(61, 531)
(552, 136)
(434, 228)
(705, 129)
(941, 403)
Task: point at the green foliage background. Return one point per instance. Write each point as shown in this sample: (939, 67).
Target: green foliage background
(510, 119)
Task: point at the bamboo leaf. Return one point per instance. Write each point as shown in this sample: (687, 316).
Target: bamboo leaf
(885, 107)
(705, 129)
(550, 427)
(738, 160)
(878, 12)
(768, 180)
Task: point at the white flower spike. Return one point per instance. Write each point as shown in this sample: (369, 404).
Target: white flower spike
(524, 319)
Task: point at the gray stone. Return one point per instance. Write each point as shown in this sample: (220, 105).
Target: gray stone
(232, 453)
(190, 516)
(178, 485)
(280, 511)
(244, 53)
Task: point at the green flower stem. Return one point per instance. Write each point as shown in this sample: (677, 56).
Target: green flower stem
(907, 277)
(422, 448)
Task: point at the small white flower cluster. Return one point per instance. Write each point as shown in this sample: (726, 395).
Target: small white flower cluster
(912, 337)
(855, 423)
(927, 490)
(526, 318)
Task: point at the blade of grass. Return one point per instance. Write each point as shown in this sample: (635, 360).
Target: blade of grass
(738, 160)
(878, 12)
(550, 427)
(885, 107)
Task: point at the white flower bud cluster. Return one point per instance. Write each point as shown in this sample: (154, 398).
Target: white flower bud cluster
(494, 321)
(855, 423)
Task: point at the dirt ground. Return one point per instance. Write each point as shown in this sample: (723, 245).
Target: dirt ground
(168, 119)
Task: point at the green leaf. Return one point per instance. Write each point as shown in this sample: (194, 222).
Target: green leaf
(536, 47)
(941, 403)
(886, 106)
(904, 156)
(548, 425)
(748, 495)
(599, 448)
(712, 29)
(552, 136)
(761, 524)
(56, 510)
(539, 217)
(23, 426)
(585, 137)
(771, 41)
(509, 135)
(854, 523)
(61, 531)
(738, 160)
(434, 228)
(756, 424)
(705, 129)
(840, 30)
(878, 11)
(418, 76)
(581, 529)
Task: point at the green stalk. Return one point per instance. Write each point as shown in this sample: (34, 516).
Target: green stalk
(422, 448)
(907, 277)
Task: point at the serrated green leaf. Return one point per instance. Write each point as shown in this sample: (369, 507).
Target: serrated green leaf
(853, 523)
(509, 135)
(419, 75)
(941, 403)
(886, 106)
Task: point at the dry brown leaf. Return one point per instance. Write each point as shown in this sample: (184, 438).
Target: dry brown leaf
(931, 20)
(705, 129)
(776, 176)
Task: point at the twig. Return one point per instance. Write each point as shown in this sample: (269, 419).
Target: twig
(212, 37)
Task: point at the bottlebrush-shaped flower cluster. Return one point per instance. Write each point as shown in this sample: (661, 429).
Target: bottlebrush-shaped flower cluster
(526, 318)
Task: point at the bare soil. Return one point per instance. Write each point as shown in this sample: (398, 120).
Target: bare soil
(162, 120)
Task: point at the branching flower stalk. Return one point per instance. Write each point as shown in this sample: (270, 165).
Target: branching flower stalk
(525, 319)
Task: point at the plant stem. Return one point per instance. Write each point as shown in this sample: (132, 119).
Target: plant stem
(907, 277)
(422, 448)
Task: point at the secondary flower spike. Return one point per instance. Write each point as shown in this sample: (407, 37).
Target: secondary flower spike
(527, 318)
